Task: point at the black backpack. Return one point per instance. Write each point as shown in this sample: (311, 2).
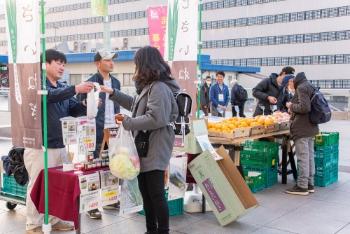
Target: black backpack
(184, 104)
(242, 94)
(320, 110)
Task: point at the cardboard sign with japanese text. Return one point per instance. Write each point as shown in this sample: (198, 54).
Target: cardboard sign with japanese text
(89, 192)
(109, 188)
(22, 21)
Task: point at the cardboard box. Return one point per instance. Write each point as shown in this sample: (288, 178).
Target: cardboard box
(223, 186)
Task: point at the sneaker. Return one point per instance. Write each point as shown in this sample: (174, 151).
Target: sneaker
(296, 190)
(114, 206)
(36, 230)
(62, 226)
(94, 214)
(311, 188)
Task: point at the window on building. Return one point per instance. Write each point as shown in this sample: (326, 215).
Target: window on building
(279, 18)
(323, 59)
(293, 39)
(299, 60)
(301, 16)
(293, 16)
(342, 11)
(325, 13)
(308, 38)
(333, 12)
(279, 40)
(286, 17)
(316, 37)
(324, 36)
(278, 61)
(263, 62)
(306, 60)
(339, 59)
(330, 59)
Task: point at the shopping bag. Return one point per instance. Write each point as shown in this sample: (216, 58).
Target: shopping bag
(130, 197)
(124, 160)
(92, 101)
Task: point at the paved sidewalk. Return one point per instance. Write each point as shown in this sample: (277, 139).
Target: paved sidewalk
(327, 211)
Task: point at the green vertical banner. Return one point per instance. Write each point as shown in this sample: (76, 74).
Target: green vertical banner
(181, 46)
(99, 7)
(24, 72)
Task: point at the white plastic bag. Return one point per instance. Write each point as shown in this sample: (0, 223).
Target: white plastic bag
(124, 161)
(130, 197)
(92, 101)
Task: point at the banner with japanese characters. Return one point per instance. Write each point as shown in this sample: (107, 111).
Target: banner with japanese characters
(181, 49)
(22, 23)
(157, 26)
(182, 30)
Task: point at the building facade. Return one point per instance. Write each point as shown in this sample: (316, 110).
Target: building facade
(313, 36)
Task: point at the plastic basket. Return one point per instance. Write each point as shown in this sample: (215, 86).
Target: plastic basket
(269, 174)
(255, 183)
(327, 138)
(328, 177)
(258, 158)
(176, 207)
(261, 146)
(11, 187)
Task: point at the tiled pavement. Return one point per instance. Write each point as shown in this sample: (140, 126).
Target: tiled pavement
(327, 211)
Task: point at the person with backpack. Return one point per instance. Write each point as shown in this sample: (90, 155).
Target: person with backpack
(303, 131)
(268, 90)
(204, 96)
(219, 96)
(238, 98)
(153, 111)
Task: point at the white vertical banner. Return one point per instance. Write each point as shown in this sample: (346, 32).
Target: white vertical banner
(23, 32)
(22, 21)
(182, 31)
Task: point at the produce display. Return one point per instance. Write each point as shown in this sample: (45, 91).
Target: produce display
(231, 125)
(124, 165)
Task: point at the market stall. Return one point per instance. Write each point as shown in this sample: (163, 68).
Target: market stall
(234, 132)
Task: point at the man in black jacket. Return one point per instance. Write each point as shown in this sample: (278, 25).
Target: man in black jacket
(238, 98)
(60, 103)
(205, 102)
(268, 90)
(107, 109)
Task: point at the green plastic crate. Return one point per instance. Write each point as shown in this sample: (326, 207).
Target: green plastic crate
(11, 187)
(176, 207)
(255, 183)
(328, 177)
(327, 138)
(269, 174)
(261, 146)
(258, 158)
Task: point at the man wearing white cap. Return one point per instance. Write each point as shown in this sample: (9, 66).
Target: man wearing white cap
(107, 109)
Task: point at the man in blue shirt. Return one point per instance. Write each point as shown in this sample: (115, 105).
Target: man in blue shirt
(219, 96)
(60, 103)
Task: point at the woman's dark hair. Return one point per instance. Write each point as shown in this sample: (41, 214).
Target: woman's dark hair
(54, 55)
(150, 65)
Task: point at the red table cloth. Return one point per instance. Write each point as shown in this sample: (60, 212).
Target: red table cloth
(64, 194)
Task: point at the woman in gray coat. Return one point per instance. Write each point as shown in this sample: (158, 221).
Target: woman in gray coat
(153, 109)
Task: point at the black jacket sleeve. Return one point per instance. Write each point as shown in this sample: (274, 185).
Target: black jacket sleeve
(260, 89)
(60, 94)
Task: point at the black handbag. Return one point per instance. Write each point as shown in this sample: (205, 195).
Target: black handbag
(142, 143)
